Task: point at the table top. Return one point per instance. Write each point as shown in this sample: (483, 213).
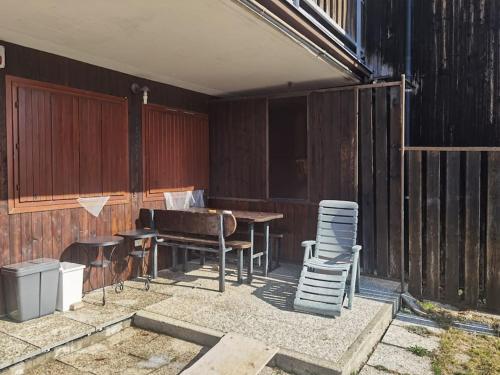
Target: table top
(247, 216)
(100, 241)
(138, 233)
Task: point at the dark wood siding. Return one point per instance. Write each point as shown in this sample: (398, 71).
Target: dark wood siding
(453, 226)
(455, 66)
(50, 233)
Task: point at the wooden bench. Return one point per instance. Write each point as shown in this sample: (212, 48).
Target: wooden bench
(275, 244)
(199, 231)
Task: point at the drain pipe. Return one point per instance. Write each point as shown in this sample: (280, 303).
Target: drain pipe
(408, 65)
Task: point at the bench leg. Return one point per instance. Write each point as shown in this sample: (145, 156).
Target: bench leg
(202, 258)
(185, 260)
(174, 258)
(222, 270)
(250, 258)
(266, 248)
(240, 265)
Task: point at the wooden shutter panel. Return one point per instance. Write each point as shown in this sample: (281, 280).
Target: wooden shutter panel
(34, 178)
(90, 120)
(65, 154)
(175, 151)
(114, 148)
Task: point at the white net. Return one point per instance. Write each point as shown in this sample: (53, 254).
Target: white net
(178, 200)
(93, 205)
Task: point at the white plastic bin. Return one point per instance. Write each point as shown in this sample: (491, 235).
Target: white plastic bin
(70, 285)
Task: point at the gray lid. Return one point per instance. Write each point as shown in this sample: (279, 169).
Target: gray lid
(31, 267)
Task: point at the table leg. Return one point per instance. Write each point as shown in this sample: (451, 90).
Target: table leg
(185, 260)
(174, 258)
(155, 259)
(266, 248)
(101, 250)
(144, 266)
(250, 260)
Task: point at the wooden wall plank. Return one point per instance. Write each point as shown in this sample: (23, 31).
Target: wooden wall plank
(381, 178)
(395, 184)
(415, 223)
(493, 233)
(472, 230)
(433, 225)
(367, 216)
(452, 227)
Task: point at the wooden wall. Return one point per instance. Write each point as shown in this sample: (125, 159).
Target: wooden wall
(50, 234)
(453, 210)
(238, 164)
(456, 66)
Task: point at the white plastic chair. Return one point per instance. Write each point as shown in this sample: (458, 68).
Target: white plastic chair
(329, 260)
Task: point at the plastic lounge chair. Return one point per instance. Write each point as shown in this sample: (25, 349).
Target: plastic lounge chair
(329, 260)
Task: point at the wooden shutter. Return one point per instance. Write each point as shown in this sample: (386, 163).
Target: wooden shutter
(114, 149)
(175, 151)
(64, 144)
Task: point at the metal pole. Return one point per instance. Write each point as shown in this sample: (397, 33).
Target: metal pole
(402, 169)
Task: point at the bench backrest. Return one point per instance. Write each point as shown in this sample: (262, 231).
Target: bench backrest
(337, 228)
(196, 223)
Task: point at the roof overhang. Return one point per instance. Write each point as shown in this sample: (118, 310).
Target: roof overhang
(217, 47)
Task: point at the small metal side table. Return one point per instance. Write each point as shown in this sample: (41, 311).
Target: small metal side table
(101, 243)
(141, 252)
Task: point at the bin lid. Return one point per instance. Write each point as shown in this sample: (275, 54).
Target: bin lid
(31, 267)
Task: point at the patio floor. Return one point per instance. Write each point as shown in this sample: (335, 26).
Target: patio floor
(262, 310)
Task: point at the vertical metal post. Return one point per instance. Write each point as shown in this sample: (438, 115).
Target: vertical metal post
(250, 258)
(266, 249)
(222, 255)
(402, 166)
(359, 19)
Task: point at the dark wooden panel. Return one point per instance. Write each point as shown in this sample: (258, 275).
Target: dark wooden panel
(333, 144)
(367, 198)
(452, 226)
(433, 225)
(381, 178)
(238, 148)
(415, 223)
(493, 233)
(472, 230)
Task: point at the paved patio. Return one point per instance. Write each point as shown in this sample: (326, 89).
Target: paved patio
(262, 310)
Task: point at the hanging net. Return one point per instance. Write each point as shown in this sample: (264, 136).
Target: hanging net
(93, 205)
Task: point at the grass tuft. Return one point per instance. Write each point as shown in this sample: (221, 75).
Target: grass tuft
(420, 330)
(419, 351)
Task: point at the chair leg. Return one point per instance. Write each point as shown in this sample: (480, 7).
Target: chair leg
(354, 273)
(358, 279)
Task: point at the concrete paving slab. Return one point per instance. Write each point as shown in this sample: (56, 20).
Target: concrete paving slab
(400, 360)
(47, 331)
(130, 297)
(369, 370)
(13, 350)
(98, 316)
(55, 368)
(400, 336)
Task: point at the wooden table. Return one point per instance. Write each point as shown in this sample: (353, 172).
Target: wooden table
(251, 218)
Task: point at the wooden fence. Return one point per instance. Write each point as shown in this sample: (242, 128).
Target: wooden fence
(453, 225)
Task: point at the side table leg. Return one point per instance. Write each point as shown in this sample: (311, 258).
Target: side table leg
(266, 248)
(250, 258)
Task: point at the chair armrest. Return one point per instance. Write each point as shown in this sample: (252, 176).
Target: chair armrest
(308, 249)
(356, 249)
(308, 243)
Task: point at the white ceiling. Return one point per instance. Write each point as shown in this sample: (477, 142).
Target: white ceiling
(216, 47)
